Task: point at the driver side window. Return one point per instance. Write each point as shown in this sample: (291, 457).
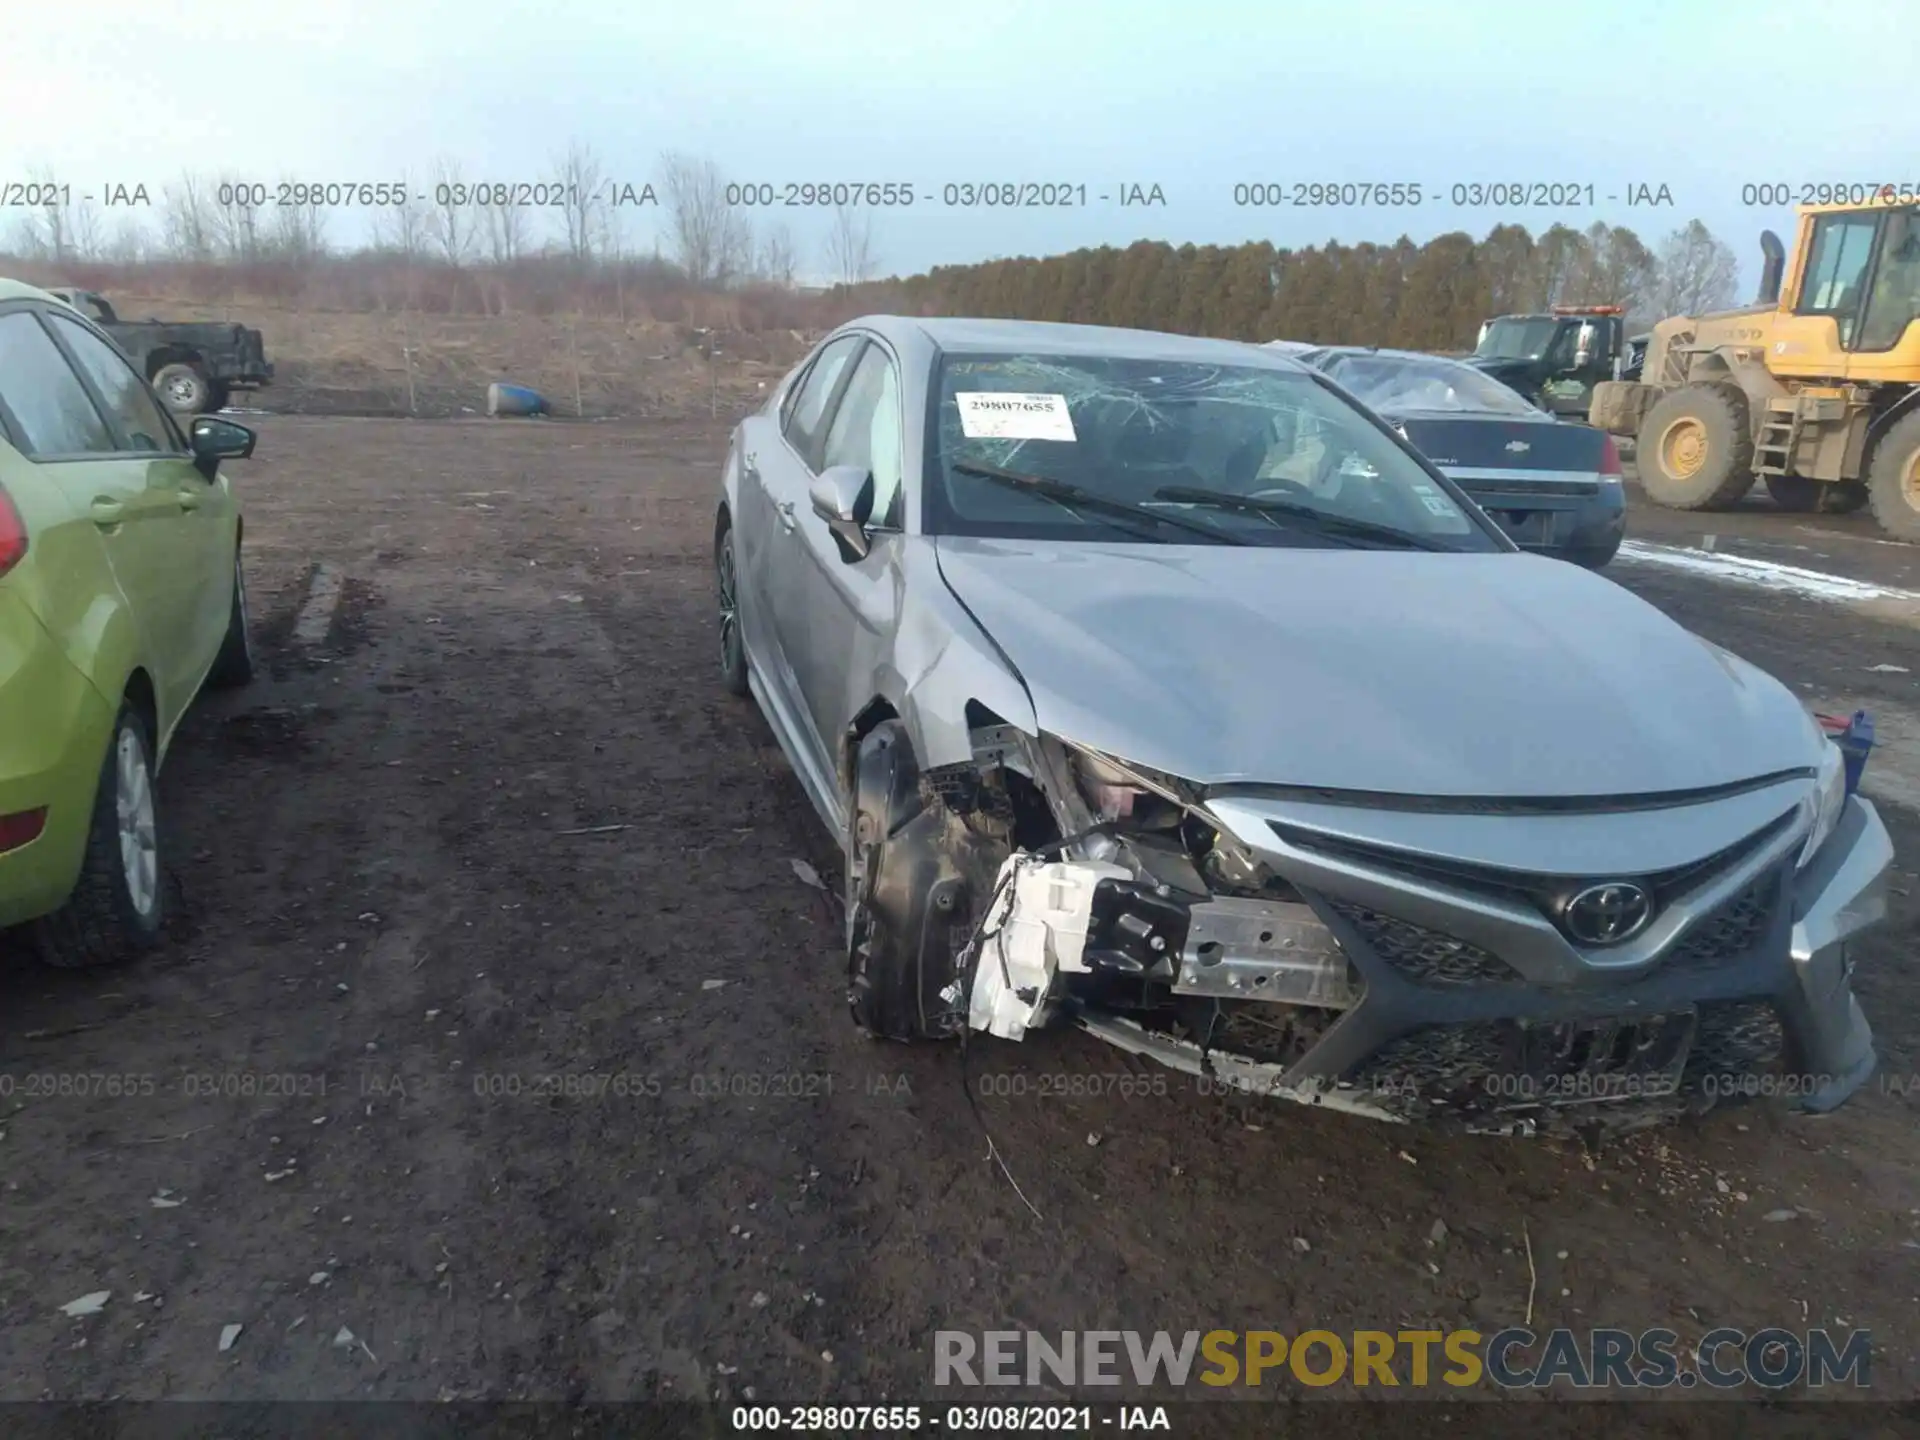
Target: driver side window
(810, 401)
(866, 433)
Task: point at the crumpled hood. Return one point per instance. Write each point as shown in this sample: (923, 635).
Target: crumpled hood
(1496, 675)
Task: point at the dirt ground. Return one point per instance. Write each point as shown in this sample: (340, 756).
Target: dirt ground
(502, 1032)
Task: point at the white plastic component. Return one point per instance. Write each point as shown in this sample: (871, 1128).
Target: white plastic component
(1036, 928)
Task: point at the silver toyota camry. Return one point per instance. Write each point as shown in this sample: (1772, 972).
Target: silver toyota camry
(1380, 814)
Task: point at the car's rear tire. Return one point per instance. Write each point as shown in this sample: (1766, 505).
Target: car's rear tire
(916, 878)
(1796, 493)
(1594, 557)
(1694, 450)
(1893, 479)
(1845, 496)
(116, 910)
(233, 666)
(733, 647)
(183, 388)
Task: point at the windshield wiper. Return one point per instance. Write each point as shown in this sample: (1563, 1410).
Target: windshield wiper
(1073, 498)
(1338, 527)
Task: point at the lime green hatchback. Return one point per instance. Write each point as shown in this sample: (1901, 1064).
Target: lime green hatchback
(121, 595)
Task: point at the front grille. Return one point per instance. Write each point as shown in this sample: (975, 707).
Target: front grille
(1732, 931)
(1458, 1068)
(1548, 893)
(1735, 1043)
(1425, 956)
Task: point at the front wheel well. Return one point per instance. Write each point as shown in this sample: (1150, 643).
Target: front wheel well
(872, 716)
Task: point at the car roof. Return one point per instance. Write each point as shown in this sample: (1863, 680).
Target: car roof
(959, 335)
(1328, 350)
(20, 290)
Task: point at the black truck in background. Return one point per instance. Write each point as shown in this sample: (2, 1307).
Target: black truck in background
(193, 367)
(1556, 359)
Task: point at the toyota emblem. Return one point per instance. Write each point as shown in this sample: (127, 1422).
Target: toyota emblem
(1607, 914)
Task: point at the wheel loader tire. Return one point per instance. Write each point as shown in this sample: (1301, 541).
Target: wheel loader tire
(1694, 450)
(1796, 492)
(1893, 479)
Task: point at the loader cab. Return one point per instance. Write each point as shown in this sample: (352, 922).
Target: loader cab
(1855, 288)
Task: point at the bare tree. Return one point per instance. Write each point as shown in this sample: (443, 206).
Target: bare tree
(583, 201)
(300, 231)
(506, 225)
(450, 224)
(46, 231)
(776, 260)
(130, 243)
(1697, 273)
(23, 239)
(186, 226)
(850, 245)
(86, 231)
(403, 228)
(712, 241)
(235, 219)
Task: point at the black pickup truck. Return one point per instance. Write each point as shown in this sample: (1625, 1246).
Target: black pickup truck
(193, 367)
(1556, 359)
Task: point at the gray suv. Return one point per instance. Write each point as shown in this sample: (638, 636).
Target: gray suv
(1382, 815)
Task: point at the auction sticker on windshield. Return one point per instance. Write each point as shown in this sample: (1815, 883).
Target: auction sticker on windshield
(1005, 415)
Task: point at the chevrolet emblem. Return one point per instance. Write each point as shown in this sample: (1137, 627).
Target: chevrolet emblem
(1518, 447)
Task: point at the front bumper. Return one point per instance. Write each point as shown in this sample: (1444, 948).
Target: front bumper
(1474, 1009)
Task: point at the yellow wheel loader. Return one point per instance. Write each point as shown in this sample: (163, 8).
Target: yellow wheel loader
(1814, 389)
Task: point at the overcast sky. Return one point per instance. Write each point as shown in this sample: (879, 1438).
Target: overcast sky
(1195, 96)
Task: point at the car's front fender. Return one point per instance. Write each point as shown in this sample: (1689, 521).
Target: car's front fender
(943, 661)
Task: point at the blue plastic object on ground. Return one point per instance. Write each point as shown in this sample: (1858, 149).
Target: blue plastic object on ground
(503, 399)
(1855, 739)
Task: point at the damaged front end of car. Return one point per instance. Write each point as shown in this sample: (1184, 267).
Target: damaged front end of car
(1293, 944)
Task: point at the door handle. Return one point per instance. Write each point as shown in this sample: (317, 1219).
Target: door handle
(108, 513)
(785, 507)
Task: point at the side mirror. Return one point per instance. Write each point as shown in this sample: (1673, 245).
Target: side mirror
(214, 440)
(842, 495)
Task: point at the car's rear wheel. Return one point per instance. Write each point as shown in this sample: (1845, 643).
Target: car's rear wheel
(183, 388)
(914, 885)
(1796, 493)
(234, 664)
(116, 909)
(1845, 496)
(1595, 557)
(733, 649)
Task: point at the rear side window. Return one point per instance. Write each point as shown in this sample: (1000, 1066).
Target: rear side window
(126, 394)
(51, 409)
